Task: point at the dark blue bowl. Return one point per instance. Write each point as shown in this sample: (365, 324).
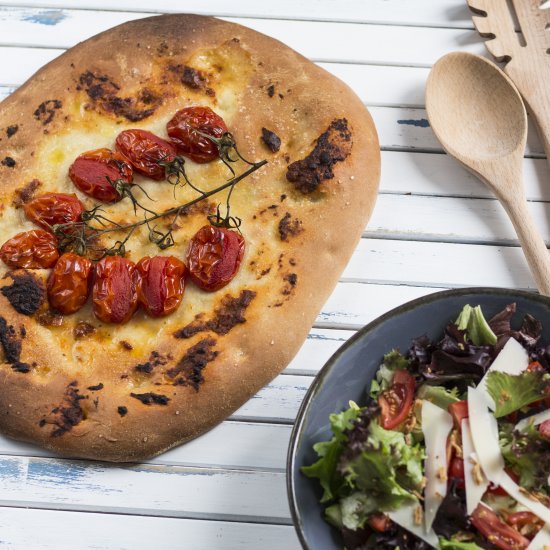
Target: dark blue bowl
(349, 372)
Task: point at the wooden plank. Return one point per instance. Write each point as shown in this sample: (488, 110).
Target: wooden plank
(350, 42)
(143, 489)
(449, 219)
(26, 529)
(448, 13)
(436, 174)
(433, 264)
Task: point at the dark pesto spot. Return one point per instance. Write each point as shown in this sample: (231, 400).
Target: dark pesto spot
(289, 227)
(333, 146)
(11, 344)
(46, 111)
(188, 371)
(69, 413)
(228, 315)
(271, 139)
(151, 398)
(26, 293)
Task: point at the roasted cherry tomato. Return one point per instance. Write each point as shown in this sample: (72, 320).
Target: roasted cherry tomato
(496, 531)
(115, 289)
(379, 522)
(93, 171)
(145, 151)
(50, 209)
(161, 284)
(32, 250)
(214, 256)
(456, 471)
(397, 400)
(185, 129)
(544, 429)
(69, 283)
(459, 411)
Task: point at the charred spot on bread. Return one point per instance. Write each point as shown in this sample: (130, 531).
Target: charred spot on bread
(46, 111)
(9, 162)
(12, 130)
(155, 359)
(271, 139)
(123, 411)
(151, 398)
(332, 146)
(271, 90)
(103, 93)
(21, 367)
(26, 293)
(192, 78)
(97, 387)
(188, 371)
(11, 344)
(229, 314)
(26, 193)
(83, 329)
(49, 319)
(124, 344)
(69, 413)
(289, 227)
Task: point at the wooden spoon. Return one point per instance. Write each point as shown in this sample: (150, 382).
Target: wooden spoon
(478, 116)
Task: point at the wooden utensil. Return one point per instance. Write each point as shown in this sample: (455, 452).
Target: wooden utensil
(525, 54)
(478, 116)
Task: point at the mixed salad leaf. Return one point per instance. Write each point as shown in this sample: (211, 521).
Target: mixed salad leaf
(376, 462)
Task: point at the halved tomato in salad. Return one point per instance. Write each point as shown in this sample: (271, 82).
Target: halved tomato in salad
(396, 401)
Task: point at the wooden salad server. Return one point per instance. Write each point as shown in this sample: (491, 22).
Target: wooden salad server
(525, 54)
(479, 117)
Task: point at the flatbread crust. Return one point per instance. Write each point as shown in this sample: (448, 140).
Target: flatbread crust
(82, 394)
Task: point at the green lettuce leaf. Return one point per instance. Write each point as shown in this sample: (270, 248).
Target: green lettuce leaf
(438, 395)
(395, 360)
(392, 361)
(511, 392)
(471, 320)
(456, 545)
(387, 469)
(329, 453)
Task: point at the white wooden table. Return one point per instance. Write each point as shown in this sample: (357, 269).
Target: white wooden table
(434, 227)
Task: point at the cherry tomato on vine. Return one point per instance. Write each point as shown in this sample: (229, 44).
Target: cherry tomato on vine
(50, 209)
(185, 130)
(114, 292)
(145, 151)
(34, 249)
(496, 531)
(92, 171)
(69, 283)
(214, 256)
(161, 284)
(397, 400)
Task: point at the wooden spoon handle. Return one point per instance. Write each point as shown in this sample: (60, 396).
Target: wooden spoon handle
(531, 241)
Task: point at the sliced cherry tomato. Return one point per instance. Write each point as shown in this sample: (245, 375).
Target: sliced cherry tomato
(520, 520)
(145, 151)
(214, 256)
(496, 531)
(115, 290)
(69, 283)
(93, 171)
(459, 411)
(534, 366)
(185, 129)
(50, 209)
(544, 429)
(379, 522)
(31, 250)
(397, 400)
(456, 471)
(161, 284)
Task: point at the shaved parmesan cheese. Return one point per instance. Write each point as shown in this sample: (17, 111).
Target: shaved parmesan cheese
(406, 517)
(537, 419)
(436, 425)
(523, 497)
(542, 540)
(512, 359)
(484, 430)
(476, 482)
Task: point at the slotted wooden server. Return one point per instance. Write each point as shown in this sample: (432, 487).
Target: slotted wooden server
(526, 53)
